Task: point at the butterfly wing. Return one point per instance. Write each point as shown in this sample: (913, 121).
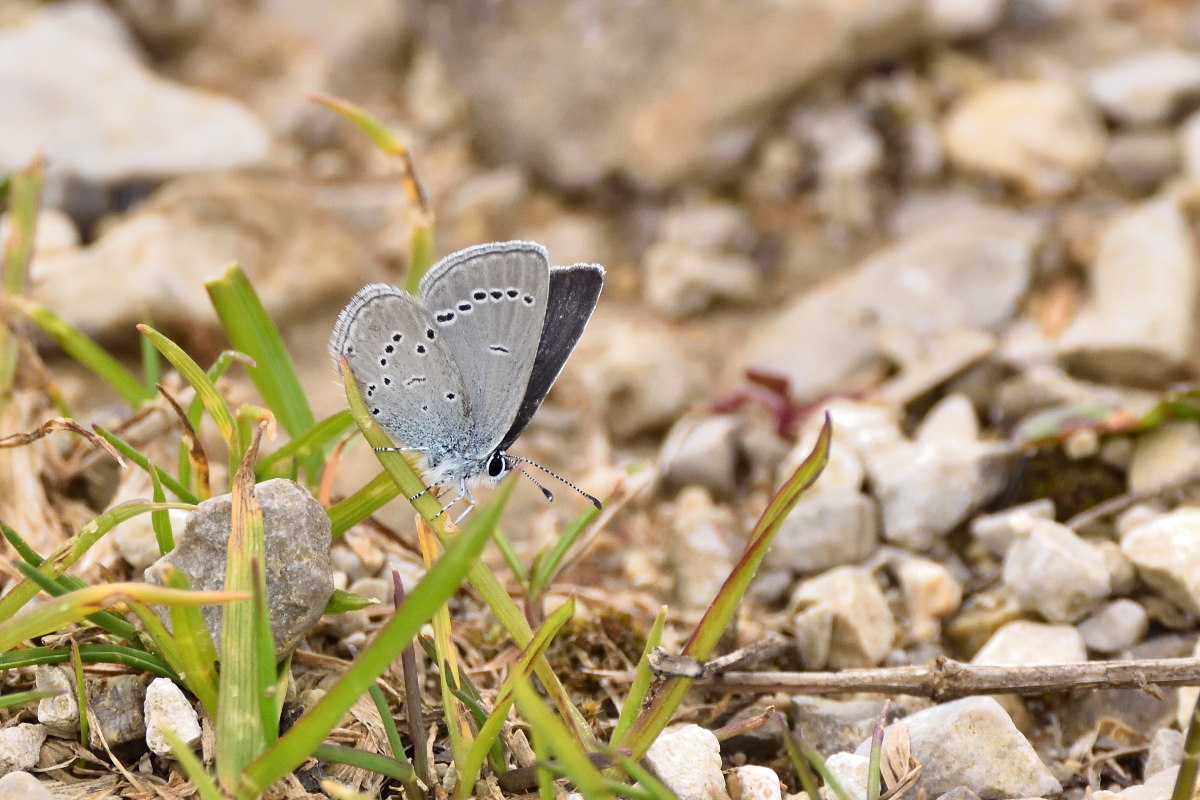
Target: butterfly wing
(407, 377)
(573, 294)
(488, 304)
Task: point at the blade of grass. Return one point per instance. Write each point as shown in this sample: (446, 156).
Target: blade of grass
(24, 198)
(642, 678)
(251, 331)
(546, 565)
(800, 763)
(412, 703)
(430, 594)
(205, 786)
(80, 693)
(480, 577)
(724, 606)
(18, 698)
(305, 445)
(381, 490)
(92, 653)
(105, 620)
(73, 606)
(206, 390)
(160, 518)
(874, 777)
(391, 767)
(489, 734)
(241, 736)
(73, 549)
(510, 558)
(151, 366)
(195, 409)
(126, 450)
(195, 646)
(549, 728)
(83, 349)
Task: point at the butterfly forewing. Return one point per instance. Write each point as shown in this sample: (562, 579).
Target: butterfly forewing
(403, 370)
(488, 304)
(573, 293)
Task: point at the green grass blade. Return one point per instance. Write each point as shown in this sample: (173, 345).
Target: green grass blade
(549, 728)
(642, 678)
(194, 645)
(83, 349)
(206, 390)
(308, 444)
(73, 549)
(91, 653)
(240, 734)
(18, 698)
(80, 693)
(151, 365)
(418, 608)
(548, 562)
(205, 786)
(160, 518)
(127, 451)
(195, 409)
(20, 546)
(24, 197)
(380, 491)
(105, 620)
(724, 606)
(391, 767)
(251, 331)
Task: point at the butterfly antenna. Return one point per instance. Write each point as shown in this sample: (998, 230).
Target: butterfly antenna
(546, 492)
(557, 477)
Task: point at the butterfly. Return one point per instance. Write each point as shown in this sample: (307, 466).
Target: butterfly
(456, 372)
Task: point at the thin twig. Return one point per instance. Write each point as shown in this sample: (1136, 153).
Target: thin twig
(1115, 505)
(947, 679)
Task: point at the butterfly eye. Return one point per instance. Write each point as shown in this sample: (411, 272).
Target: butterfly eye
(497, 465)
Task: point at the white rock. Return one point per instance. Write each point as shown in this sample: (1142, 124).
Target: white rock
(1040, 134)
(998, 531)
(1037, 14)
(704, 451)
(952, 419)
(1138, 324)
(926, 490)
(1135, 517)
(59, 714)
(954, 19)
(701, 256)
(688, 762)
(1168, 452)
(826, 529)
(1147, 87)
(1115, 626)
(753, 783)
(1189, 145)
(973, 743)
(850, 771)
(1166, 553)
(1053, 572)
(1030, 643)
(167, 709)
(23, 786)
(701, 553)
(861, 628)
(1166, 751)
(19, 746)
(931, 594)
(64, 51)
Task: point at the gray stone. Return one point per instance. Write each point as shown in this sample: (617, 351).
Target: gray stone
(956, 19)
(1115, 626)
(702, 255)
(1147, 87)
(998, 531)
(658, 95)
(1031, 643)
(63, 52)
(1053, 572)
(752, 782)
(1138, 324)
(117, 705)
(861, 628)
(833, 726)
(850, 771)
(20, 746)
(298, 572)
(23, 786)
(1143, 159)
(827, 529)
(973, 743)
(704, 451)
(1166, 553)
(1168, 452)
(1040, 134)
(167, 709)
(688, 762)
(59, 714)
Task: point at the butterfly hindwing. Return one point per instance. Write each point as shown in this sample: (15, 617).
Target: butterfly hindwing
(406, 375)
(573, 293)
(488, 304)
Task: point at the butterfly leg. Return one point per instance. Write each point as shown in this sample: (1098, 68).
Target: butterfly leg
(466, 491)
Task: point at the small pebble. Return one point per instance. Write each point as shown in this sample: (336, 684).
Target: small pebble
(23, 786)
(688, 762)
(1032, 643)
(1115, 626)
(167, 709)
(20, 746)
(753, 783)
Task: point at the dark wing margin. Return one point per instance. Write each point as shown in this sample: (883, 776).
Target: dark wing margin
(572, 297)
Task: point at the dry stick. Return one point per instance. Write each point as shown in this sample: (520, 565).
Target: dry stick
(1116, 505)
(947, 679)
